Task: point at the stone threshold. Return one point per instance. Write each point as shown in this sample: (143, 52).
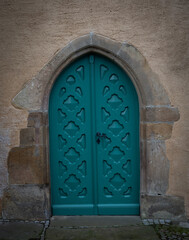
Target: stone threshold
(102, 221)
(94, 221)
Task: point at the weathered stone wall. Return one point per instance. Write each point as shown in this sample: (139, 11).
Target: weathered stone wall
(33, 31)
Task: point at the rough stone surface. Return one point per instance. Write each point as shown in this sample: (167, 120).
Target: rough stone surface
(20, 231)
(148, 82)
(157, 167)
(36, 119)
(27, 136)
(164, 207)
(105, 43)
(26, 165)
(25, 202)
(159, 131)
(162, 114)
(81, 43)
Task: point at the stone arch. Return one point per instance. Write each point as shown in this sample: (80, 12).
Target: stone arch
(156, 113)
(147, 84)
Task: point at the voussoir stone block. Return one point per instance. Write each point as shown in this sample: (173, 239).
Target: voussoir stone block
(80, 43)
(25, 165)
(28, 202)
(106, 43)
(152, 92)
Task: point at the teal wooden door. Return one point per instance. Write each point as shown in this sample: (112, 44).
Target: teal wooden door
(94, 140)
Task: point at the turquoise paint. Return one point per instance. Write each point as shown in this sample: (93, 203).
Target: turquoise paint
(94, 95)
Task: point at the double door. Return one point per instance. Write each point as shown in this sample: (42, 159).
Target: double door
(94, 140)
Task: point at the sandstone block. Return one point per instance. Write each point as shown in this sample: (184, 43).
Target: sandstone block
(21, 230)
(162, 114)
(35, 119)
(106, 43)
(80, 43)
(27, 136)
(25, 165)
(157, 167)
(166, 207)
(159, 131)
(26, 202)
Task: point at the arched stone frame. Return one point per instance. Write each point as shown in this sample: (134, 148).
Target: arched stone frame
(156, 117)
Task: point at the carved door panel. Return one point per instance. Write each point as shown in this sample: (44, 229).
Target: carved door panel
(91, 172)
(70, 141)
(118, 152)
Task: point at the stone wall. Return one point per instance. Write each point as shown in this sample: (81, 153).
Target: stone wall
(33, 31)
(27, 196)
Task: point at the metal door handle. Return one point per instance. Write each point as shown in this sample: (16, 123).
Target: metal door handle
(99, 136)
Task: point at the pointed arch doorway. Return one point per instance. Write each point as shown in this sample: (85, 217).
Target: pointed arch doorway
(154, 103)
(94, 140)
